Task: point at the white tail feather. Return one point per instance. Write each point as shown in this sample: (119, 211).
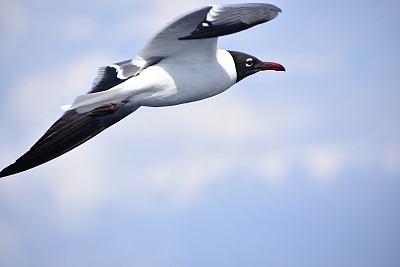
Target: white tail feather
(93, 100)
(65, 107)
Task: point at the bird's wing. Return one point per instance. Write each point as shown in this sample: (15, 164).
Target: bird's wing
(103, 89)
(114, 74)
(71, 130)
(197, 31)
(89, 115)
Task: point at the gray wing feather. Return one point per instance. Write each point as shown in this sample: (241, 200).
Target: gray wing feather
(228, 19)
(205, 25)
(112, 75)
(165, 42)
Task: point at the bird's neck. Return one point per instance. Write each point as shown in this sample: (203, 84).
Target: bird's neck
(225, 59)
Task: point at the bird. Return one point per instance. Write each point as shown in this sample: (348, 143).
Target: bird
(179, 64)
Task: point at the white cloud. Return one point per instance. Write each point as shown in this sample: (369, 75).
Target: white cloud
(182, 179)
(324, 161)
(274, 166)
(77, 186)
(43, 91)
(74, 185)
(200, 143)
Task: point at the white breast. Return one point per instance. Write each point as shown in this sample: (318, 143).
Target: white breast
(178, 80)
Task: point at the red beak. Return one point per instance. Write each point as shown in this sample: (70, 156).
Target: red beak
(272, 66)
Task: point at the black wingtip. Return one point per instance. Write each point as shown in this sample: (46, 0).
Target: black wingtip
(27, 161)
(12, 169)
(6, 172)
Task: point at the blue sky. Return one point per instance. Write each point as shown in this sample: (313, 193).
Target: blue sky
(300, 168)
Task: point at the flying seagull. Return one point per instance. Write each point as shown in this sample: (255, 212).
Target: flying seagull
(179, 64)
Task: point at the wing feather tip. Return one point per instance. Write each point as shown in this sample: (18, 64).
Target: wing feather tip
(11, 170)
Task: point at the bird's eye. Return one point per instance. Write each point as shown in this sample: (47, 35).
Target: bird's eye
(249, 62)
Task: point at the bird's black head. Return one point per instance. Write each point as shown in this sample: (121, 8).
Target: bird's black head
(247, 65)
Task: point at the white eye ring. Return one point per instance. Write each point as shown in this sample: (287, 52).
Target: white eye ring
(249, 62)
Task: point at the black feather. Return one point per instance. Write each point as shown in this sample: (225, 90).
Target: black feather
(70, 131)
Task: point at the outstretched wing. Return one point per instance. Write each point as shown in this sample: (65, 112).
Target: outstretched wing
(227, 19)
(206, 23)
(71, 130)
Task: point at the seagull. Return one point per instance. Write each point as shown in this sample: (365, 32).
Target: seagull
(179, 64)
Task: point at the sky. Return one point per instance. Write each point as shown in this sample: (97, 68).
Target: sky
(295, 168)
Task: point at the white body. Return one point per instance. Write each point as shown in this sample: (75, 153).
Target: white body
(169, 83)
